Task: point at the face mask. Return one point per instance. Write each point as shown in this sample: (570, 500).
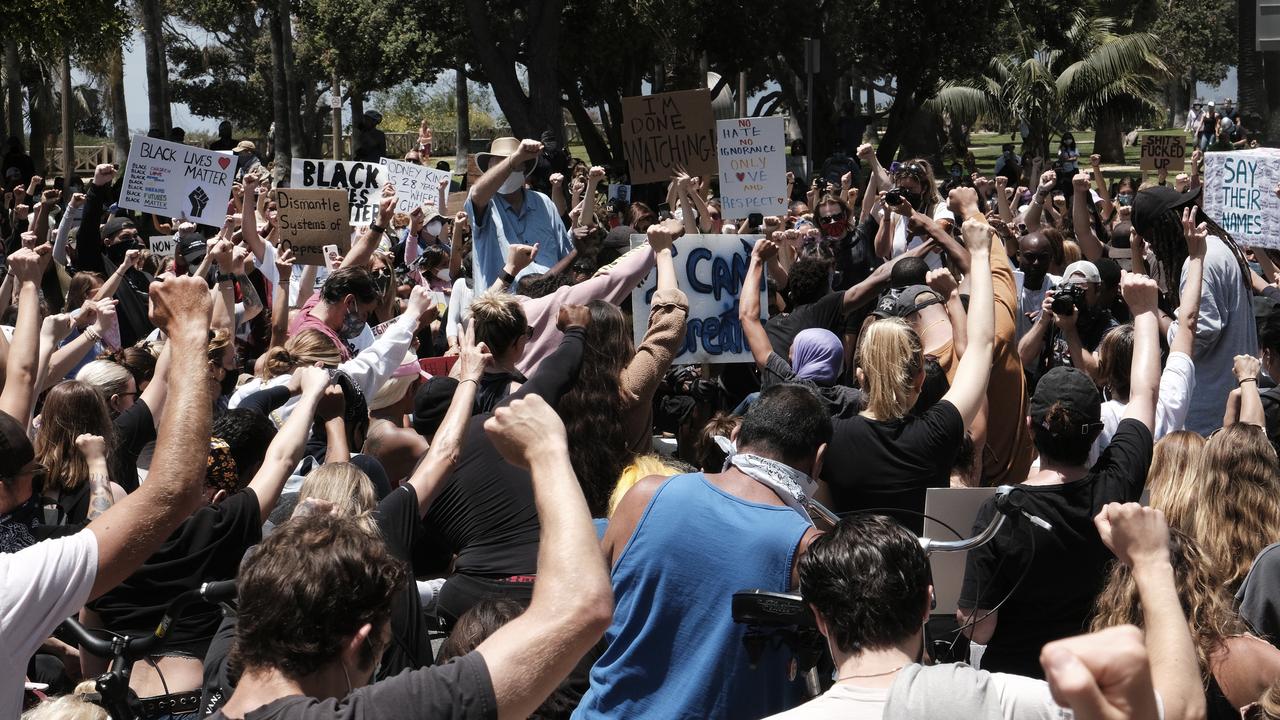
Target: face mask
(443, 274)
(434, 227)
(351, 324)
(514, 182)
(1124, 200)
(117, 252)
(835, 229)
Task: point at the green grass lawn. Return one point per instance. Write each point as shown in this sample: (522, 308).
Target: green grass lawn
(986, 148)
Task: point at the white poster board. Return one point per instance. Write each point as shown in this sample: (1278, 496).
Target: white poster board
(1239, 194)
(753, 166)
(177, 181)
(416, 185)
(957, 507)
(362, 180)
(162, 245)
(710, 270)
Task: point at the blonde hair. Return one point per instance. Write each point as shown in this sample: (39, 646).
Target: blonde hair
(498, 319)
(1070, 252)
(306, 348)
(641, 467)
(344, 485)
(1231, 505)
(1174, 463)
(391, 392)
(219, 340)
(891, 359)
(110, 378)
(68, 707)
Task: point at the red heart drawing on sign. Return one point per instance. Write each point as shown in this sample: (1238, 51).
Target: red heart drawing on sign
(741, 176)
(224, 162)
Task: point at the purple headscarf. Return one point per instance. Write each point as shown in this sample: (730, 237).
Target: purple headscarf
(817, 356)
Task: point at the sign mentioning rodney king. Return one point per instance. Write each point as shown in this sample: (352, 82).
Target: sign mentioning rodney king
(1239, 194)
(177, 181)
(710, 269)
(362, 181)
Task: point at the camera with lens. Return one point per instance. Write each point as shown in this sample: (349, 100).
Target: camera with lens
(1067, 297)
(893, 197)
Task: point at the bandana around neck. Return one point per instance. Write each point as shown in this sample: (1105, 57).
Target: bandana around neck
(790, 485)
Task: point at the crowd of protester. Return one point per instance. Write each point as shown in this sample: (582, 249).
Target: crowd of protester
(451, 475)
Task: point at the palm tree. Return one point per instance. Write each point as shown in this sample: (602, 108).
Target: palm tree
(1094, 74)
(152, 16)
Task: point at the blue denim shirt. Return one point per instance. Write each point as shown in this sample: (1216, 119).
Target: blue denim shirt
(499, 226)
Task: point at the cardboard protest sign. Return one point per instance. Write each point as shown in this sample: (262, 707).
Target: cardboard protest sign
(362, 180)
(311, 218)
(710, 269)
(177, 181)
(1239, 194)
(162, 245)
(416, 185)
(1164, 152)
(753, 166)
(667, 131)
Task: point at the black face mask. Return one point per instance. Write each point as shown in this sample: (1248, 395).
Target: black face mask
(117, 252)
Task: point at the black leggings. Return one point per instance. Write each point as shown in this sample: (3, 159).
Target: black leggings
(461, 592)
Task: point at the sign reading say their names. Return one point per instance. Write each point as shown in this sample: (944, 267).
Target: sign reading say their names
(1239, 194)
(663, 132)
(710, 269)
(162, 245)
(416, 185)
(311, 218)
(753, 166)
(362, 180)
(1164, 152)
(177, 181)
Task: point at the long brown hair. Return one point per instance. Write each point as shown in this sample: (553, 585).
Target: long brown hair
(306, 348)
(1231, 505)
(72, 408)
(592, 409)
(1174, 464)
(1209, 608)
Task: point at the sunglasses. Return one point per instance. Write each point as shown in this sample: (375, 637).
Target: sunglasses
(915, 170)
(828, 219)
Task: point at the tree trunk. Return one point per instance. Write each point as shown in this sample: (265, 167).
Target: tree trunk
(1270, 126)
(292, 110)
(597, 148)
(280, 141)
(1250, 74)
(40, 115)
(357, 115)
(119, 109)
(1108, 138)
(499, 68)
(462, 113)
(543, 41)
(157, 67)
(13, 86)
(68, 133)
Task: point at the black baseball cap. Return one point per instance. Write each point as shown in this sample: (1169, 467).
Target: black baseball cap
(431, 403)
(901, 303)
(1071, 390)
(1153, 202)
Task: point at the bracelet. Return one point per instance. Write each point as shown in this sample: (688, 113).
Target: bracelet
(92, 334)
(507, 278)
(224, 277)
(470, 380)
(1242, 382)
(375, 227)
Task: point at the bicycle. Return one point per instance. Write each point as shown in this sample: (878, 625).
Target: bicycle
(112, 692)
(774, 618)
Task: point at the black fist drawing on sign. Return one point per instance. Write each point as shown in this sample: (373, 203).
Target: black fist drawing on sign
(199, 200)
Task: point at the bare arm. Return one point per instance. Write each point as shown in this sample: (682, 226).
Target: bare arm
(306, 285)
(488, 183)
(1002, 199)
(1189, 303)
(572, 600)
(280, 298)
(749, 304)
(455, 247)
(970, 386)
(1246, 370)
(17, 399)
(1082, 219)
(94, 450)
(131, 530)
(289, 443)
(362, 249)
(594, 176)
(108, 288)
(1140, 294)
(557, 194)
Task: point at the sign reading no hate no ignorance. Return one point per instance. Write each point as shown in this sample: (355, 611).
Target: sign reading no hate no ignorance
(1239, 194)
(177, 181)
(663, 132)
(362, 180)
(753, 166)
(710, 269)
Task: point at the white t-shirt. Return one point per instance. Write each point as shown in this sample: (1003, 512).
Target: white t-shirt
(1021, 698)
(901, 243)
(1177, 382)
(1031, 299)
(39, 588)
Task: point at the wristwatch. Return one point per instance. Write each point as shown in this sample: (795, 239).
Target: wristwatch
(224, 277)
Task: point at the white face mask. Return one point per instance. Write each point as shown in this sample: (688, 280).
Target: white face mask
(514, 182)
(434, 227)
(443, 273)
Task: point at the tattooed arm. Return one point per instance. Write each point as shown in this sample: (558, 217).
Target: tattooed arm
(94, 449)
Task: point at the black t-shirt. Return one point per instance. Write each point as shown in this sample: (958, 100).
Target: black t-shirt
(135, 427)
(207, 546)
(1271, 412)
(824, 313)
(410, 645)
(1065, 567)
(840, 401)
(459, 689)
(873, 464)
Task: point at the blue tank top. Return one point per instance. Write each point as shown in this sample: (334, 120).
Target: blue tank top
(673, 648)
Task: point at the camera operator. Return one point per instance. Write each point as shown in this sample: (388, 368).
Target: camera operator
(1070, 324)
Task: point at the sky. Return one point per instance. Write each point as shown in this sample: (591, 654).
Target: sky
(135, 82)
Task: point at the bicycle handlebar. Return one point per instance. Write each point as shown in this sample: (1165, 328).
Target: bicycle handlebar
(134, 648)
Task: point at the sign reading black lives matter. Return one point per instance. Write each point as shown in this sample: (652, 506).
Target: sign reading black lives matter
(663, 132)
(177, 181)
(362, 180)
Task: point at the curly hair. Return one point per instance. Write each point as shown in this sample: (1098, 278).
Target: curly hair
(1209, 608)
(1231, 504)
(312, 584)
(71, 408)
(592, 409)
(808, 281)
